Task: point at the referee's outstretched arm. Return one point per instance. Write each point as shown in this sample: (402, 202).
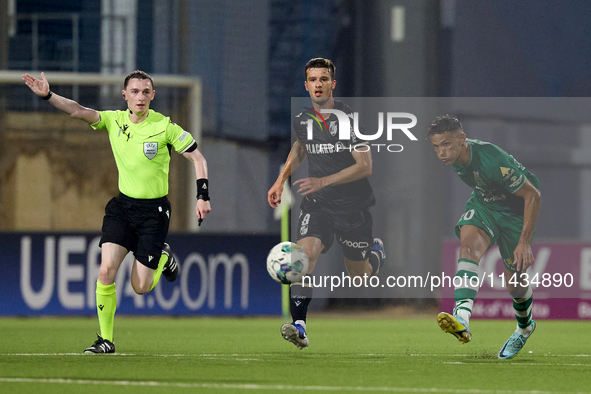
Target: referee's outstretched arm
(41, 88)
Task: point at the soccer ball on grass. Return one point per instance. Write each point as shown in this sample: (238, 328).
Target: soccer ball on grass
(287, 263)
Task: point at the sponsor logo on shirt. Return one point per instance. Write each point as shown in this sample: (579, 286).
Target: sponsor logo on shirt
(507, 172)
(320, 149)
(183, 136)
(502, 197)
(516, 182)
(489, 195)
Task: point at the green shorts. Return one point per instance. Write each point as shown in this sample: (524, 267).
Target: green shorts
(503, 228)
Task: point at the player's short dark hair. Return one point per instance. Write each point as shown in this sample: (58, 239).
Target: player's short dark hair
(444, 123)
(320, 62)
(137, 74)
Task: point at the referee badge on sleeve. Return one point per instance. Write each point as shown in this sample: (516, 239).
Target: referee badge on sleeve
(150, 149)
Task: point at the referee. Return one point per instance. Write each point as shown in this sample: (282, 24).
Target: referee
(137, 220)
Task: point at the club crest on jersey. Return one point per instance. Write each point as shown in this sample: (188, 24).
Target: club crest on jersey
(150, 149)
(477, 178)
(333, 129)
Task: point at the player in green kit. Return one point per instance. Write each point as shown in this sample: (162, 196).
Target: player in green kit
(502, 210)
(137, 220)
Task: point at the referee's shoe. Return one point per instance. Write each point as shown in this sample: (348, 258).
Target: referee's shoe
(100, 346)
(171, 268)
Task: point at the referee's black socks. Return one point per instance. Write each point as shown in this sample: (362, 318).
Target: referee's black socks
(299, 299)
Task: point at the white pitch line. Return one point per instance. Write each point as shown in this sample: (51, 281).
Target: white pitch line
(501, 363)
(570, 355)
(141, 355)
(253, 357)
(273, 387)
(249, 355)
(236, 355)
(65, 354)
(109, 354)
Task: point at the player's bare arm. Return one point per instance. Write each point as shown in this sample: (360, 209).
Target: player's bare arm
(296, 156)
(523, 256)
(202, 207)
(41, 88)
(361, 169)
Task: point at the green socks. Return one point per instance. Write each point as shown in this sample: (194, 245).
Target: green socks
(522, 307)
(106, 304)
(106, 301)
(158, 271)
(466, 292)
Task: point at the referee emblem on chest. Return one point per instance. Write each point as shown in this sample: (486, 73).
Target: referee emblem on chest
(150, 149)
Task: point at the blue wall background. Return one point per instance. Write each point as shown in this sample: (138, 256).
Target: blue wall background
(505, 48)
(56, 273)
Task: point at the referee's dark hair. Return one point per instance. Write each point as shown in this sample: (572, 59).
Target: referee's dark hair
(137, 74)
(444, 123)
(320, 62)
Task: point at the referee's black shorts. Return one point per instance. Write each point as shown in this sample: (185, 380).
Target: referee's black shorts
(139, 225)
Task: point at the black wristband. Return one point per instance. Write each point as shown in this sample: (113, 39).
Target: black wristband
(48, 96)
(202, 189)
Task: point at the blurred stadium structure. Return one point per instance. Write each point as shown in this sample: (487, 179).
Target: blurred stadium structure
(55, 165)
(249, 57)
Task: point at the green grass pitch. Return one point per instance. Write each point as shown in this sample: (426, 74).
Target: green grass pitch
(248, 355)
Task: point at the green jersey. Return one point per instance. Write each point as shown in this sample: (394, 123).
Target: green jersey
(495, 177)
(142, 151)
